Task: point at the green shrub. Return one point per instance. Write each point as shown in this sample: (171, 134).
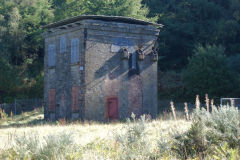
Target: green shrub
(209, 134)
(208, 72)
(191, 144)
(132, 142)
(223, 151)
(223, 124)
(164, 147)
(97, 149)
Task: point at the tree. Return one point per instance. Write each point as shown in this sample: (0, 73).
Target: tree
(8, 81)
(208, 72)
(129, 8)
(187, 22)
(21, 47)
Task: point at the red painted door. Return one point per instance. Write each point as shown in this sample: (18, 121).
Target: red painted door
(51, 101)
(112, 108)
(75, 106)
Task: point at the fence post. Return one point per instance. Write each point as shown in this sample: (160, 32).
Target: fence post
(15, 106)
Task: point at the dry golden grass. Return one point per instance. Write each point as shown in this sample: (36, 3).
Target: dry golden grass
(82, 133)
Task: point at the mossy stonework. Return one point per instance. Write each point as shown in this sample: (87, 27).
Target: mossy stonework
(86, 77)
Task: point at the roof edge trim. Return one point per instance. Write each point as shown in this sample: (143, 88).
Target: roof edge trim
(101, 17)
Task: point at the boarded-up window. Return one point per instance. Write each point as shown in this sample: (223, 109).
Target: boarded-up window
(51, 103)
(75, 50)
(133, 64)
(63, 45)
(75, 106)
(51, 55)
(134, 61)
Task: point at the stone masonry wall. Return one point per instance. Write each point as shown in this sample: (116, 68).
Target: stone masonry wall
(107, 74)
(64, 77)
(81, 89)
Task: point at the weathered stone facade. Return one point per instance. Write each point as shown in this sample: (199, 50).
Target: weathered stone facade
(89, 76)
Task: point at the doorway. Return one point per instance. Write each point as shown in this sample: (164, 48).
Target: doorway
(112, 108)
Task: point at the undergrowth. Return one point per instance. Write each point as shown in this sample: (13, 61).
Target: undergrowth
(212, 135)
(34, 146)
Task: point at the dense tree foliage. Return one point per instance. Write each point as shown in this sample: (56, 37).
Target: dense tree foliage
(189, 22)
(21, 47)
(207, 72)
(129, 8)
(186, 23)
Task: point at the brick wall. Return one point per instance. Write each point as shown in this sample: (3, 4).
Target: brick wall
(81, 88)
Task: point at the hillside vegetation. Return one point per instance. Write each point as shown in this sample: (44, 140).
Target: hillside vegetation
(206, 31)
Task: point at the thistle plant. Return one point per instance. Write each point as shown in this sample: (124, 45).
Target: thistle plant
(186, 110)
(207, 102)
(212, 104)
(197, 102)
(3, 114)
(173, 110)
(232, 102)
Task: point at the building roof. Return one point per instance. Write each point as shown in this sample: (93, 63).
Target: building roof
(101, 17)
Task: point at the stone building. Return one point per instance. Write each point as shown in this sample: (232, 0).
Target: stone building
(100, 68)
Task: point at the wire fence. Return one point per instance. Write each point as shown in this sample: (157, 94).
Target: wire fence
(230, 101)
(22, 105)
(26, 105)
(164, 105)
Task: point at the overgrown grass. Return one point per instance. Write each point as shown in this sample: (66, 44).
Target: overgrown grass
(214, 135)
(208, 135)
(27, 118)
(134, 139)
